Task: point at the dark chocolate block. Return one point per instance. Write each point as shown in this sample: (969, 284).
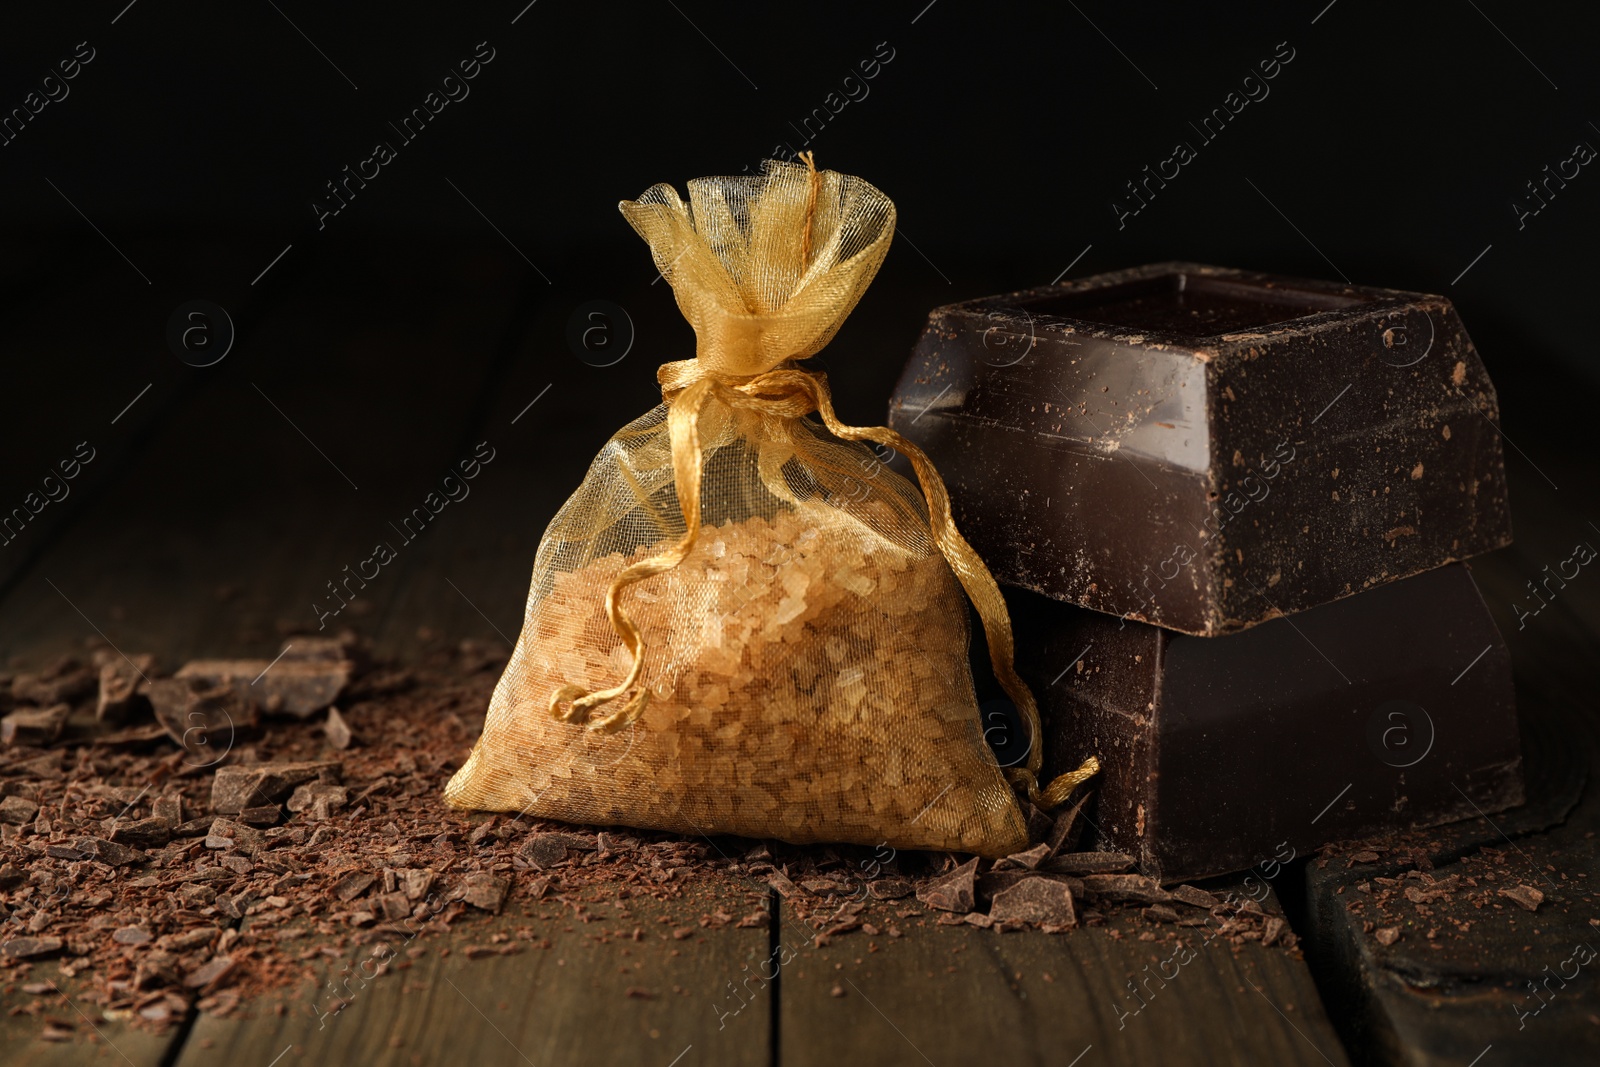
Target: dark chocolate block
(1377, 712)
(1204, 449)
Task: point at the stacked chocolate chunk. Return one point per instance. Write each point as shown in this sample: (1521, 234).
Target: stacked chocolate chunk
(1229, 510)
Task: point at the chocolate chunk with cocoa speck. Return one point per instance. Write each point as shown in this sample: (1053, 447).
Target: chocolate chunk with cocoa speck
(235, 788)
(338, 731)
(141, 833)
(1159, 913)
(483, 890)
(1028, 860)
(210, 975)
(119, 683)
(394, 906)
(194, 827)
(993, 882)
(1274, 929)
(615, 843)
(956, 891)
(1386, 935)
(25, 948)
(34, 726)
(168, 808)
(1362, 857)
(47, 766)
(226, 834)
(108, 852)
(1090, 863)
(196, 896)
(1197, 898)
(131, 935)
(17, 811)
(264, 815)
(1135, 888)
(781, 883)
(1524, 896)
(1034, 900)
(545, 850)
(889, 888)
(416, 883)
(308, 797)
(1064, 834)
(352, 885)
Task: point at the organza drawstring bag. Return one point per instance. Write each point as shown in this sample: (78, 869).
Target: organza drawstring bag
(743, 622)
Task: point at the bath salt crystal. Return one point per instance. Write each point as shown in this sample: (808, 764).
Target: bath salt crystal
(827, 709)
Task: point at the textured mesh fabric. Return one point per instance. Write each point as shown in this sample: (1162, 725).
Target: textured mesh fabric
(794, 648)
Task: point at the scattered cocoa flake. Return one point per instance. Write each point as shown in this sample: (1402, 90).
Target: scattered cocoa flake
(956, 891)
(1090, 863)
(1524, 896)
(1198, 898)
(108, 852)
(338, 731)
(211, 975)
(544, 850)
(639, 993)
(1126, 887)
(484, 891)
(837, 991)
(34, 726)
(1386, 935)
(23, 948)
(139, 833)
(235, 788)
(1362, 857)
(889, 888)
(1064, 834)
(17, 811)
(1028, 860)
(352, 885)
(1160, 913)
(1034, 900)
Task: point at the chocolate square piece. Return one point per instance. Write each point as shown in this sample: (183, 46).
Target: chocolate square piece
(1204, 449)
(1386, 710)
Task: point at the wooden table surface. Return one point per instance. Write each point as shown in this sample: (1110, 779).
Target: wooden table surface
(222, 501)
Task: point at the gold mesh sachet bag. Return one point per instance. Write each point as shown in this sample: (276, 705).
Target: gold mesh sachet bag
(743, 622)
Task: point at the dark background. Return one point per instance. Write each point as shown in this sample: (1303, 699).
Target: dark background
(425, 316)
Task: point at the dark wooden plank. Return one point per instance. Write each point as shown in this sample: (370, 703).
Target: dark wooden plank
(576, 992)
(956, 994)
(96, 1039)
(230, 524)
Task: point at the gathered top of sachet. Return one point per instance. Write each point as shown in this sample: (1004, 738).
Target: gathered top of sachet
(754, 285)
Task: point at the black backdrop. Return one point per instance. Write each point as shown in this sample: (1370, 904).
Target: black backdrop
(1392, 144)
